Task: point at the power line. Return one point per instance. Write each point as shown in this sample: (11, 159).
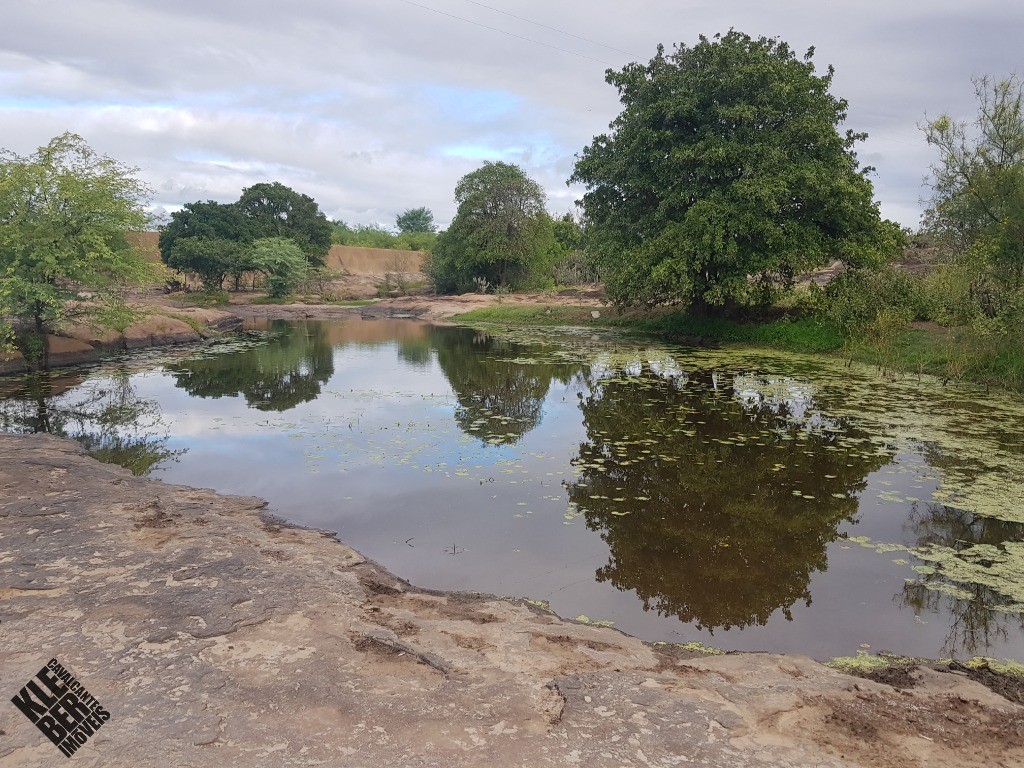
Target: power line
(554, 29)
(505, 32)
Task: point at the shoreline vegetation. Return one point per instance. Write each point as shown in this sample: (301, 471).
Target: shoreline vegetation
(952, 354)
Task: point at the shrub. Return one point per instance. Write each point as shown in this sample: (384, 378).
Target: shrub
(860, 300)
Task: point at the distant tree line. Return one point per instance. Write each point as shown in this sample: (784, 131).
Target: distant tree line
(416, 232)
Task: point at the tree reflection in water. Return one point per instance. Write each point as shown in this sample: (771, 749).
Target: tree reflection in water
(499, 385)
(716, 495)
(982, 617)
(105, 416)
(289, 369)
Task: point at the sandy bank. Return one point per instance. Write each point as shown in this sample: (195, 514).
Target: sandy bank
(215, 636)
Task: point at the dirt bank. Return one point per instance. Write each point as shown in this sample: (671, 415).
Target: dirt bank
(431, 308)
(215, 636)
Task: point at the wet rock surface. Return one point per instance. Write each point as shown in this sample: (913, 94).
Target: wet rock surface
(217, 635)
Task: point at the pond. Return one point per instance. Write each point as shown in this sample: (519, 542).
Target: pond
(744, 499)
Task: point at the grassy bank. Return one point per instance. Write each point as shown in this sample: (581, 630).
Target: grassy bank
(794, 335)
(950, 354)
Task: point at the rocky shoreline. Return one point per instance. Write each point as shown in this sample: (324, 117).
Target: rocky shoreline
(215, 634)
(159, 326)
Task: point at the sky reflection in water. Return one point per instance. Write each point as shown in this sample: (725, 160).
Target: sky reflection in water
(748, 500)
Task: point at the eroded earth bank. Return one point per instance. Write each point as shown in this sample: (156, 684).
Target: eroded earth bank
(215, 635)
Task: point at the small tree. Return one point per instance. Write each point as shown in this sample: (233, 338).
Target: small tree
(415, 220)
(282, 261)
(501, 233)
(977, 205)
(64, 214)
(725, 163)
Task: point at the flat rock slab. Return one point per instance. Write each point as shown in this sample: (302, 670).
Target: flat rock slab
(216, 635)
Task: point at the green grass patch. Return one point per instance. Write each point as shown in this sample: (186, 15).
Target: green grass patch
(534, 315)
(203, 298)
(803, 335)
(952, 354)
(796, 335)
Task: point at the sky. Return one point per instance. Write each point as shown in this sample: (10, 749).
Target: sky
(372, 108)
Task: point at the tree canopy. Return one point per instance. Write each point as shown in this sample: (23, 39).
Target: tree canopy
(978, 184)
(64, 214)
(415, 220)
(215, 240)
(501, 232)
(725, 163)
(207, 239)
(274, 210)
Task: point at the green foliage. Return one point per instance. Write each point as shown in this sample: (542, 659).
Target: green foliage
(376, 236)
(207, 239)
(282, 261)
(501, 233)
(213, 240)
(978, 184)
(212, 258)
(274, 210)
(861, 299)
(362, 236)
(572, 263)
(64, 214)
(803, 335)
(415, 220)
(725, 163)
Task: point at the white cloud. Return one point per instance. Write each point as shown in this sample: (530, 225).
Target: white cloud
(373, 108)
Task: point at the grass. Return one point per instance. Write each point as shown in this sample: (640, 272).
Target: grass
(803, 335)
(795, 335)
(533, 315)
(203, 298)
(952, 354)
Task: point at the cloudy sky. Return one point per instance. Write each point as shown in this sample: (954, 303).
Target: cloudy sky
(375, 107)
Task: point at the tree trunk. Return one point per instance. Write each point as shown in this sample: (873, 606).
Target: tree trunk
(40, 331)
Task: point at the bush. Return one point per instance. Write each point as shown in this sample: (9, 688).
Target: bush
(860, 300)
(282, 261)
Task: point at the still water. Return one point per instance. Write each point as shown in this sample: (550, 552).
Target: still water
(744, 499)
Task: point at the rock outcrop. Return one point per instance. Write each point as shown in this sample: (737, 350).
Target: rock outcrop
(217, 635)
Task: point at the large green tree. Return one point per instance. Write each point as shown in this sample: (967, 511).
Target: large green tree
(725, 164)
(207, 238)
(64, 214)
(274, 210)
(501, 233)
(977, 204)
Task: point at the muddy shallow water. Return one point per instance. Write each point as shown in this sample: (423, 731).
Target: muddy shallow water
(744, 499)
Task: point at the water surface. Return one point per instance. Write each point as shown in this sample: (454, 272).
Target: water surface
(749, 500)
